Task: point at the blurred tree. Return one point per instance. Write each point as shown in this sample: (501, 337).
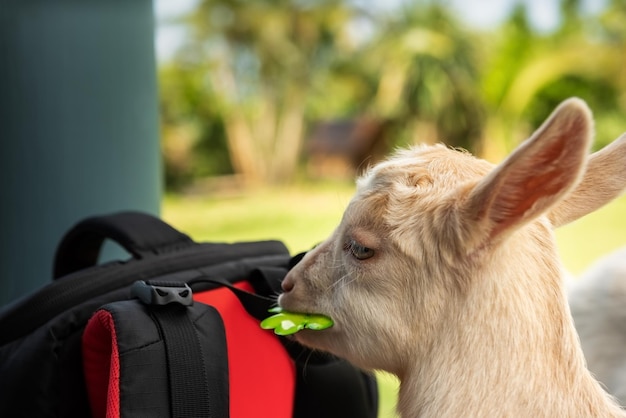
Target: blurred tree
(425, 60)
(251, 75)
(527, 74)
(193, 139)
(258, 62)
(601, 75)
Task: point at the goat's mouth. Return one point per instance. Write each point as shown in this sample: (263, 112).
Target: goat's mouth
(287, 323)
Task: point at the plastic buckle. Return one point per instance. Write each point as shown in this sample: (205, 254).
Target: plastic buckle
(162, 293)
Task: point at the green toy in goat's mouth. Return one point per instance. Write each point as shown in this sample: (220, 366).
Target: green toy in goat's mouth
(287, 323)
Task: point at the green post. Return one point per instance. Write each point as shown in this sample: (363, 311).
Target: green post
(78, 125)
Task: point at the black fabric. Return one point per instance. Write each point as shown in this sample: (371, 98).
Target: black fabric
(180, 351)
(296, 259)
(40, 361)
(188, 386)
(266, 280)
(334, 390)
(40, 358)
(138, 233)
(256, 305)
(229, 261)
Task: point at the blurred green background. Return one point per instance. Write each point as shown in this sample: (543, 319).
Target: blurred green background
(270, 108)
(275, 91)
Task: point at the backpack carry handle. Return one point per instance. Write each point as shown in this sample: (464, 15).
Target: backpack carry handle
(140, 234)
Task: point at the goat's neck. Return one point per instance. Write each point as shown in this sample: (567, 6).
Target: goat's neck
(510, 349)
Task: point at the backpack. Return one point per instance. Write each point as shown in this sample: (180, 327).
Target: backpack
(171, 332)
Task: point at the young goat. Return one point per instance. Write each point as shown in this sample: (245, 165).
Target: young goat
(444, 271)
(598, 304)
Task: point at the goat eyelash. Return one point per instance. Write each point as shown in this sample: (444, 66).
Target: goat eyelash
(358, 251)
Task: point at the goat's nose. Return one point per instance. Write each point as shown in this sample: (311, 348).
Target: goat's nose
(287, 284)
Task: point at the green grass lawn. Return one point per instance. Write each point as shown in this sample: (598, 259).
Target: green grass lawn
(303, 216)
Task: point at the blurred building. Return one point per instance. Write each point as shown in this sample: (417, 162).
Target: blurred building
(344, 148)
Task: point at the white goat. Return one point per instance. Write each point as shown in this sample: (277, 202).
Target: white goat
(598, 304)
(444, 271)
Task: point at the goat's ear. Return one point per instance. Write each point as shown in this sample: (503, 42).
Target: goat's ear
(539, 173)
(603, 181)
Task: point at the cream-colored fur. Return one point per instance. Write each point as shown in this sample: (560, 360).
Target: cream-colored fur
(444, 271)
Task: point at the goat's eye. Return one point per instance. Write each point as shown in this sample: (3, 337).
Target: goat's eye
(359, 251)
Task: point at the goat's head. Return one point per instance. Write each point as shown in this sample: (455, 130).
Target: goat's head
(430, 226)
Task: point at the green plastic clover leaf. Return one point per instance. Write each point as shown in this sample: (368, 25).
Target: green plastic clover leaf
(287, 323)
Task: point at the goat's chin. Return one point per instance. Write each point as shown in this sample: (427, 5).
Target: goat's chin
(318, 340)
(326, 341)
(330, 342)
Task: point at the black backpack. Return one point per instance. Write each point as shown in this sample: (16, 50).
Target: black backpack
(171, 332)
